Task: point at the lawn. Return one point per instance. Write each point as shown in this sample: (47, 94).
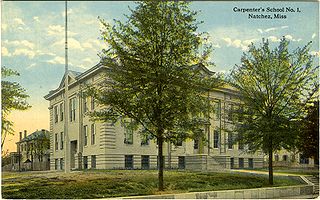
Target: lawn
(116, 183)
(297, 171)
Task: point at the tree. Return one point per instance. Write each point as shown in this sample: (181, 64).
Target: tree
(155, 75)
(13, 97)
(308, 138)
(273, 86)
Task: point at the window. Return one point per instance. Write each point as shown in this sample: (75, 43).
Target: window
(179, 142)
(285, 158)
(93, 162)
(250, 161)
(128, 161)
(61, 164)
(61, 111)
(92, 103)
(230, 140)
(241, 163)
(230, 113)
(85, 133)
(241, 113)
(85, 162)
(181, 162)
(145, 140)
(93, 134)
(61, 140)
(56, 164)
(128, 133)
(56, 141)
(217, 109)
(55, 111)
(276, 157)
(304, 159)
(216, 139)
(196, 144)
(85, 104)
(231, 163)
(145, 162)
(72, 108)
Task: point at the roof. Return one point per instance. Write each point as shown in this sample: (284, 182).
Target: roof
(39, 134)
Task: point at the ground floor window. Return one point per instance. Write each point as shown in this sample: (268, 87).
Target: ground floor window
(56, 164)
(303, 159)
(181, 162)
(128, 161)
(241, 163)
(285, 158)
(61, 164)
(93, 162)
(145, 164)
(231, 163)
(250, 161)
(85, 162)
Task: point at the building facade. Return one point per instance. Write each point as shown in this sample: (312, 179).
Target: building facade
(33, 152)
(79, 143)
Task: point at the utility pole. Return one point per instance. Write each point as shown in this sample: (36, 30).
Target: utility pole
(66, 84)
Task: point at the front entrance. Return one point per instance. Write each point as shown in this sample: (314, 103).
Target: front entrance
(73, 151)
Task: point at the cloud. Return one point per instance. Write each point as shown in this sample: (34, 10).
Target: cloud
(238, 43)
(58, 30)
(290, 37)
(36, 18)
(273, 39)
(31, 66)
(88, 60)
(271, 29)
(24, 52)
(19, 21)
(19, 43)
(315, 53)
(4, 27)
(57, 60)
(216, 46)
(69, 11)
(5, 52)
(72, 44)
(313, 35)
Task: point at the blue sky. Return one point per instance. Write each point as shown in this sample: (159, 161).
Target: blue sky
(32, 39)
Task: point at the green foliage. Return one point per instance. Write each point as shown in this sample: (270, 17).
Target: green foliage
(308, 138)
(274, 85)
(120, 183)
(156, 74)
(13, 97)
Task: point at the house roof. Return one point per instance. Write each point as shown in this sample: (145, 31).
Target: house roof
(39, 134)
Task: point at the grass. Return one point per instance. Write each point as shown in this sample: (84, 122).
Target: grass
(297, 171)
(116, 183)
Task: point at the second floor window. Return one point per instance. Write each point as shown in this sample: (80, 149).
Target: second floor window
(72, 109)
(93, 134)
(128, 132)
(56, 141)
(55, 112)
(85, 104)
(61, 140)
(216, 139)
(61, 109)
(92, 103)
(230, 140)
(217, 110)
(85, 132)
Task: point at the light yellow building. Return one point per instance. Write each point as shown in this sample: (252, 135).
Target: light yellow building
(79, 143)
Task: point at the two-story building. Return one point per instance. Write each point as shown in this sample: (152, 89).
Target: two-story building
(81, 143)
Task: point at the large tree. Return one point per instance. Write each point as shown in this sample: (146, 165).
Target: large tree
(273, 85)
(155, 74)
(308, 138)
(13, 97)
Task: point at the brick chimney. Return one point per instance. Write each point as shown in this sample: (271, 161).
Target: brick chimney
(20, 134)
(25, 133)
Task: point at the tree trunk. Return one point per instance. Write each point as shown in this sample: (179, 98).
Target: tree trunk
(160, 157)
(270, 167)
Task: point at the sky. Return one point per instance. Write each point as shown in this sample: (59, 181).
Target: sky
(32, 41)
